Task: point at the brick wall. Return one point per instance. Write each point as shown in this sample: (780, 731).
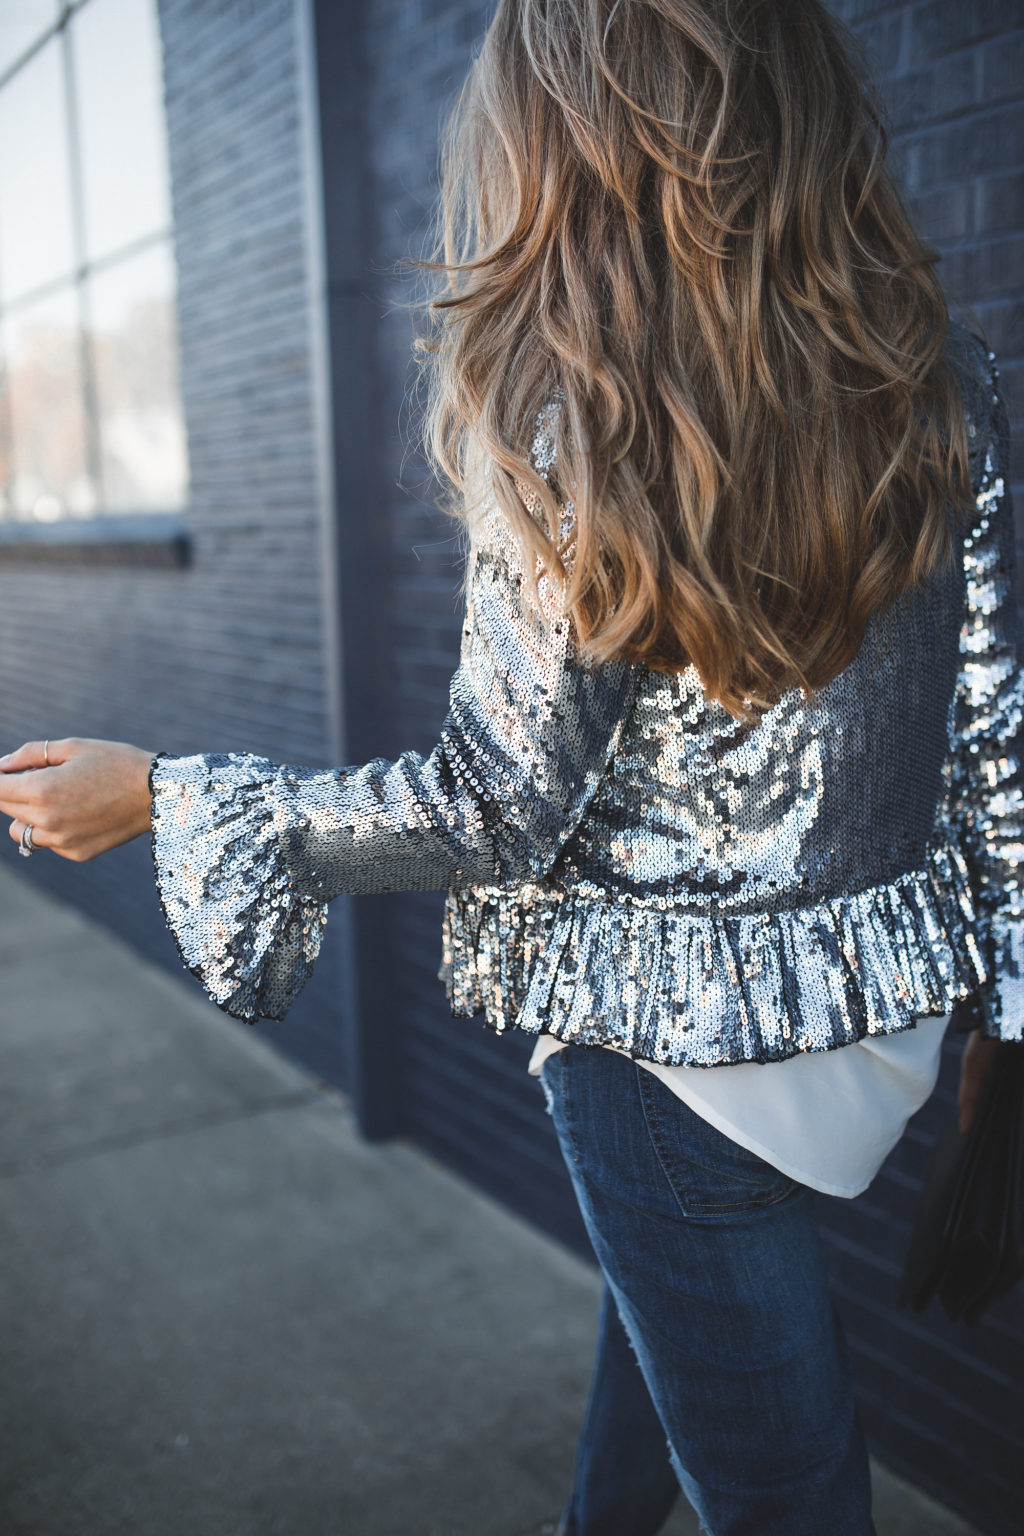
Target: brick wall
(952, 77)
(228, 653)
(942, 1404)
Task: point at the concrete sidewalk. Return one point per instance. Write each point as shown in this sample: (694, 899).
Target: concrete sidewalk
(221, 1314)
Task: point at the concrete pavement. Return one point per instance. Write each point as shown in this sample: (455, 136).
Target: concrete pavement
(221, 1314)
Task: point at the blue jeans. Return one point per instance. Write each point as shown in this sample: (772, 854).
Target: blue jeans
(717, 1331)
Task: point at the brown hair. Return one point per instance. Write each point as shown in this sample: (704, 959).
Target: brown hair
(674, 215)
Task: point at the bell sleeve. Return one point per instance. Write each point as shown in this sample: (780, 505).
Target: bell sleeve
(247, 853)
(987, 760)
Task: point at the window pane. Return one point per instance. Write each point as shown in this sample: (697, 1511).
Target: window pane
(35, 188)
(133, 323)
(48, 476)
(22, 22)
(115, 48)
(6, 462)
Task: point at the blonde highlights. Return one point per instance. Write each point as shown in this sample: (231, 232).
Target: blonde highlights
(674, 214)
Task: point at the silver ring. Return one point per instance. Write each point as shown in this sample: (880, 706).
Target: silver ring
(26, 847)
(46, 752)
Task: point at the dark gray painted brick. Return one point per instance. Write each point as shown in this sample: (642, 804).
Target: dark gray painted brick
(1001, 203)
(938, 28)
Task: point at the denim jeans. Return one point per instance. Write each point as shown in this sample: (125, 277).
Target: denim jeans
(717, 1332)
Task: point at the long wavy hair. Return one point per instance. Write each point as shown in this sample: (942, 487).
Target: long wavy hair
(673, 216)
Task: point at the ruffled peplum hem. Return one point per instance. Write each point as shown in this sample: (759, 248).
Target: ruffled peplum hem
(684, 988)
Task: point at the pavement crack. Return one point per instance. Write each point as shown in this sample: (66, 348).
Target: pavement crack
(40, 1162)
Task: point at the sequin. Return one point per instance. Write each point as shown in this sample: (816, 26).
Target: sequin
(625, 862)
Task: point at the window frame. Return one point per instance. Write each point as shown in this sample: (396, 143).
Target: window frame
(151, 538)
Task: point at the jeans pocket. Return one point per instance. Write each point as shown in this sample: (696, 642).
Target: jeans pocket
(708, 1171)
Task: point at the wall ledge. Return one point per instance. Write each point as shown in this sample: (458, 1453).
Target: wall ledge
(151, 539)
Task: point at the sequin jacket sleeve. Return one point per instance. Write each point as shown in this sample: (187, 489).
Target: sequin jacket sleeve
(247, 852)
(987, 762)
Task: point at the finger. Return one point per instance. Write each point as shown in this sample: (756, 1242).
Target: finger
(17, 828)
(33, 754)
(41, 754)
(19, 791)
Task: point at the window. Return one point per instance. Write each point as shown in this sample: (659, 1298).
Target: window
(90, 403)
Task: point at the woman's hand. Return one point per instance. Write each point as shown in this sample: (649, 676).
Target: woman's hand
(974, 1064)
(93, 795)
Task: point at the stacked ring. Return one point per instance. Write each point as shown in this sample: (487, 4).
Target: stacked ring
(26, 847)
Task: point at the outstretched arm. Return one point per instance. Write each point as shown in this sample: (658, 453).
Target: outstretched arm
(248, 852)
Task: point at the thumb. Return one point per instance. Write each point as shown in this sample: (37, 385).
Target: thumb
(36, 754)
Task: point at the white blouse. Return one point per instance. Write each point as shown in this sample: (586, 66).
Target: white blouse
(827, 1118)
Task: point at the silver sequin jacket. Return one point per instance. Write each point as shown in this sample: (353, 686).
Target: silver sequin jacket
(625, 862)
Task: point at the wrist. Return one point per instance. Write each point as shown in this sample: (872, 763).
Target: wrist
(142, 796)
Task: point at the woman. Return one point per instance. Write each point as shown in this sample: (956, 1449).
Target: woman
(731, 776)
